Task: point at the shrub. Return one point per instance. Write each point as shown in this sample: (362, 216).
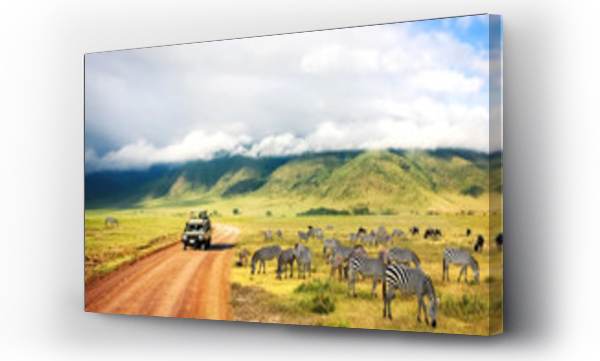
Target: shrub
(322, 211)
(236, 211)
(466, 308)
(269, 213)
(473, 191)
(361, 211)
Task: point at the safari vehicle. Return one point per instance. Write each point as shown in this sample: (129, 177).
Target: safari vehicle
(198, 231)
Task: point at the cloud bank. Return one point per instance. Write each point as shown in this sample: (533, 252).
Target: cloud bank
(409, 85)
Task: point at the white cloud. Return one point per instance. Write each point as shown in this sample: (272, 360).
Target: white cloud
(441, 81)
(286, 95)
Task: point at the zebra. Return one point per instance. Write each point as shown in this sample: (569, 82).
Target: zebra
(316, 233)
(346, 252)
(368, 239)
(403, 256)
(303, 260)
(111, 220)
(410, 281)
(382, 231)
(384, 240)
(329, 227)
(264, 254)
(286, 258)
(243, 257)
(368, 267)
(329, 244)
(462, 258)
(337, 263)
(303, 235)
(354, 237)
(268, 235)
(279, 234)
(397, 233)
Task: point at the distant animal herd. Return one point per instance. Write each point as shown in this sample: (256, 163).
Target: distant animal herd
(397, 269)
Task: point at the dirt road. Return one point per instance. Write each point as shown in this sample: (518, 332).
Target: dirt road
(171, 283)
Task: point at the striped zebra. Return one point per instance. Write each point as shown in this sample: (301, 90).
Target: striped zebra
(264, 254)
(268, 235)
(286, 258)
(346, 252)
(337, 264)
(279, 234)
(111, 220)
(384, 240)
(316, 233)
(303, 236)
(410, 281)
(403, 256)
(354, 237)
(367, 267)
(329, 244)
(303, 260)
(398, 233)
(462, 258)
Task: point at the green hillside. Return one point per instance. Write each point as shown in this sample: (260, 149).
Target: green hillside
(381, 180)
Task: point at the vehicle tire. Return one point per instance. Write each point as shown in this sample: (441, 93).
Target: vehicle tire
(207, 246)
(184, 246)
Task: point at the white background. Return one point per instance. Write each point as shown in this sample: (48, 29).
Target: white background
(551, 102)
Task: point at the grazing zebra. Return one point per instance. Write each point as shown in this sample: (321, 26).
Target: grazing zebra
(479, 244)
(286, 258)
(343, 251)
(462, 258)
(268, 235)
(384, 240)
(303, 236)
(397, 233)
(337, 263)
(329, 227)
(354, 237)
(381, 230)
(329, 244)
(369, 239)
(403, 256)
(303, 260)
(111, 220)
(410, 281)
(368, 267)
(317, 233)
(414, 231)
(279, 234)
(264, 254)
(499, 242)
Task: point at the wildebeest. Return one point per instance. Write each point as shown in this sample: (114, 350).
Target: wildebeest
(361, 230)
(244, 254)
(111, 220)
(286, 258)
(499, 242)
(468, 232)
(432, 233)
(303, 260)
(479, 244)
(264, 254)
(414, 231)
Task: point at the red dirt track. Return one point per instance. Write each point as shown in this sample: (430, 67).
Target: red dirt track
(170, 283)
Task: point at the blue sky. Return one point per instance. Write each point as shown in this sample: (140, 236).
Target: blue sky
(408, 85)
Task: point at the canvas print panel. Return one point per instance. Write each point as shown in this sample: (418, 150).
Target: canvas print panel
(343, 178)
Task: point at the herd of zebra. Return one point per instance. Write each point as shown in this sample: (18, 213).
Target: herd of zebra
(397, 269)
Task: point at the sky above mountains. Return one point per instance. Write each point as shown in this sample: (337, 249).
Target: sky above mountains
(422, 84)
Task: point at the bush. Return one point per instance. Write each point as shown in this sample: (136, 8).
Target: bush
(269, 213)
(323, 303)
(466, 308)
(361, 211)
(473, 191)
(389, 212)
(322, 211)
(236, 211)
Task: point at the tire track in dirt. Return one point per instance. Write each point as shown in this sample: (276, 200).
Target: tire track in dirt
(170, 283)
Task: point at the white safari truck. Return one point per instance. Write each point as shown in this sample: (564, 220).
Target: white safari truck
(198, 231)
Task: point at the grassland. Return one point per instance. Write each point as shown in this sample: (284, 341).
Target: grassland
(464, 308)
